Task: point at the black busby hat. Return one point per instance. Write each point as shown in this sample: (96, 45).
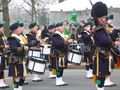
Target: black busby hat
(99, 9)
(110, 17)
(14, 26)
(58, 25)
(2, 24)
(32, 25)
(51, 27)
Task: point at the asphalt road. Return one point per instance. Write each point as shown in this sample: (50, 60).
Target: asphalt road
(76, 78)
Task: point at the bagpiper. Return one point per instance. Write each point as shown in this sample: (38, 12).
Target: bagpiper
(3, 46)
(103, 45)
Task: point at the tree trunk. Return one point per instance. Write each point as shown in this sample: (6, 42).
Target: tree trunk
(6, 18)
(33, 10)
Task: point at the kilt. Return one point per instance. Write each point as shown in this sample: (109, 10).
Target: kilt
(17, 69)
(2, 63)
(52, 62)
(101, 65)
(88, 57)
(61, 62)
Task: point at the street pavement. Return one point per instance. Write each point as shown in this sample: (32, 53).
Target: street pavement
(76, 78)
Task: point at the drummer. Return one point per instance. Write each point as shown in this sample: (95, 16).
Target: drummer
(34, 41)
(3, 46)
(17, 55)
(88, 42)
(59, 46)
(51, 58)
(24, 38)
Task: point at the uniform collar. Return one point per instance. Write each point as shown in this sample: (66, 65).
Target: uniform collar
(59, 33)
(18, 37)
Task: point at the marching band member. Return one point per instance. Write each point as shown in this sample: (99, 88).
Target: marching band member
(88, 42)
(46, 34)
(17, 55)
(51, 58)
(103, 45)
(33, 41)
(110, 30)
(3, 46)
(24, 38)
(59, 46)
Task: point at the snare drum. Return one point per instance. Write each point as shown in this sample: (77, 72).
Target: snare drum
(37, 65)
(34, 52)
(75, 57)
(46, 49)
(78, 47)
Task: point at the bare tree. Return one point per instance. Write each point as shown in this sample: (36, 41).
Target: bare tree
(31, 4)
(5, 13)
(38, 8)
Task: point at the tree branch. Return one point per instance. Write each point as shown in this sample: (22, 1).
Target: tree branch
(26, 10)
(9, 1)
(27, 3)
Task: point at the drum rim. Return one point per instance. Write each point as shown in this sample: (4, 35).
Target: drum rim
(47, 46)
(32, 59)
(73, 51)
(35, 50)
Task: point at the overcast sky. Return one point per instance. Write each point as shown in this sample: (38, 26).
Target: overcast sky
(69, 5)
(114, 3)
